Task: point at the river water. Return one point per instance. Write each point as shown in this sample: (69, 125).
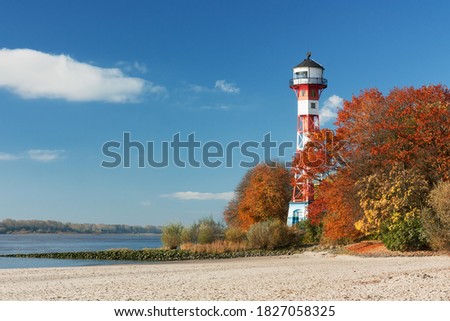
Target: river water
(45, 243)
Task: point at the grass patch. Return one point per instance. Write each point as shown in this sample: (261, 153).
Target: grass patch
(217, 247)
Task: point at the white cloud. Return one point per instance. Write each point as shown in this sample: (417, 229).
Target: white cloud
(328, 111)
(44, 155)
(228, 88)
(8, 157)
(226, 196)
(34, 74)
(220, 86)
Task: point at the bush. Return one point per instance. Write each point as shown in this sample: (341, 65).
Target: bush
(207, 233)
(436, 218)
(204, 231)
(406, 234)
(190, 234)
(171, 235)
(310, 233)
(271, 235)
(439, 200)
(235, 235)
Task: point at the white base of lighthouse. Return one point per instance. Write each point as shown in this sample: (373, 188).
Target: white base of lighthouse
(297, 212)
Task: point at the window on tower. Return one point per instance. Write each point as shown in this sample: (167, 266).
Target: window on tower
(313, 105)
(303, 74)
(303, 92)
(313, 93)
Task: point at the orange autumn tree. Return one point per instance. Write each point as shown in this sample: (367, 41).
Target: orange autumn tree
(409, 127)
(342, 208)
(322, 162)
(263, 194)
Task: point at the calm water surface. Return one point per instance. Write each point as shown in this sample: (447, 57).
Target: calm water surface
(45, 243)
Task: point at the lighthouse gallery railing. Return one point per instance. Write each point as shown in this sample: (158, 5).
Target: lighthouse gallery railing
(308, 80)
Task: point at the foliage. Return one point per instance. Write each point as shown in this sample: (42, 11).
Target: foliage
(391, 197)
(439, 200)
(271, 235)
(190, 234)
(311, 233)
(215, 247)
(407, 130)
(171, 235)
(392, 203)
(337, 195)
(235, 235)
(320, 157)
(263, 194)
(404, 234)
(408, 126)
(231, 212)
(204, 231)
(335, 207)
(436, 217)
(39, 226)
(210, 231)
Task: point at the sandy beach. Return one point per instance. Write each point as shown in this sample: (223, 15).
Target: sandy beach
(307, 276)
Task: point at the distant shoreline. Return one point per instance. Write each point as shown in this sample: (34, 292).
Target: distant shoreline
(8, 226)
(77, 233)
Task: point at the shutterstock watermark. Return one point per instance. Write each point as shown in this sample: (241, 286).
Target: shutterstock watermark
(184, 152)
(189, 152)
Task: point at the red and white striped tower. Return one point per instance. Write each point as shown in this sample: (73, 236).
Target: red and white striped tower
(308, 84)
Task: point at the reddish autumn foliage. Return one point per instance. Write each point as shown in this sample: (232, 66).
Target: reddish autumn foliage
(263, 194)
(340, 208)
(320, 157)
(409, 127)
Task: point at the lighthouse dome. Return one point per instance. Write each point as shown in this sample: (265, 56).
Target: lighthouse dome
(308, 72)
(308, 62)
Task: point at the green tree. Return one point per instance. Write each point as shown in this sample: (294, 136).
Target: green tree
(210, 231)
(171, 235)
(206, 230)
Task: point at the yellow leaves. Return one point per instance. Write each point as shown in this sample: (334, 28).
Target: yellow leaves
(389, 197)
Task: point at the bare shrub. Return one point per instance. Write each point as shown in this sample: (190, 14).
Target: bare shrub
(271, 235)
(235, 235)
(436, 218)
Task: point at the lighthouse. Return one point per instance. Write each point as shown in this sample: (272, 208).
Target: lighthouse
(307, 83)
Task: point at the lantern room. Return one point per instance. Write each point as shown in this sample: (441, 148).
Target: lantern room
(308, 72)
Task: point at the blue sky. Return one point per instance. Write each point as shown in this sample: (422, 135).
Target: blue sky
(74, 75)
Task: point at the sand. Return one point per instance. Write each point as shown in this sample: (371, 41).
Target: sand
(306, 276)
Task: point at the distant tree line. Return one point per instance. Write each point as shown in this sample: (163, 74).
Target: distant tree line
(38, 226)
